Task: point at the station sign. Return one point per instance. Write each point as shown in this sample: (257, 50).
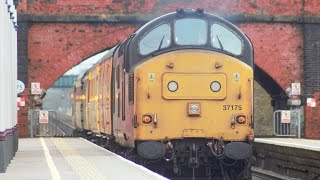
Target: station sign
(285, 116)
(20, 87)
(35, 88)
(43, 116)
(295, 89)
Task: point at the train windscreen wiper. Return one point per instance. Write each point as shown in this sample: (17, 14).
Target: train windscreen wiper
(161, 42)
(220, 44)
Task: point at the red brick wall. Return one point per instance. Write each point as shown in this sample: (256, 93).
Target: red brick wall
(23, 126)
(312, 119)
(278, 50)
(312, 7)
(274, 7)
(55, 48)
(312, 78)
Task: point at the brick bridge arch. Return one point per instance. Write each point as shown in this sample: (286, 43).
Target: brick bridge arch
(55, 35)
(56, 48)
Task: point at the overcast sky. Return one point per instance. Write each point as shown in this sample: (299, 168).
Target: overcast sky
(85, 64)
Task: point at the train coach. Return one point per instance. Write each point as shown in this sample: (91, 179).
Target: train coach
(176, 95)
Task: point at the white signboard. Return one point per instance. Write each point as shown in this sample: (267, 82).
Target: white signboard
(20, 87)
(35, 88)
(296, 89)
(285, 116)
(43, 116)
(311, 102)
(21, 101)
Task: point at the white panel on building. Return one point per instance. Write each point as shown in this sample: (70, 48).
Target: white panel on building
(8, 79)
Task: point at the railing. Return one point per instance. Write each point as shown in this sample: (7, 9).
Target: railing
(286, 123)
(57, 125)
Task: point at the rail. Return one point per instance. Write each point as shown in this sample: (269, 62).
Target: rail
(261, 174)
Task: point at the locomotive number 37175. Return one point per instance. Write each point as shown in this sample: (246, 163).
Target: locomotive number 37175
(232, 107)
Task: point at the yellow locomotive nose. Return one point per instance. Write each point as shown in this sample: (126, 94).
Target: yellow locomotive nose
(193, 99)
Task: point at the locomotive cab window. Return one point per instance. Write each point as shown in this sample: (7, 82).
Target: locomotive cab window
(158, 38)
(190, 31)
(224, 39)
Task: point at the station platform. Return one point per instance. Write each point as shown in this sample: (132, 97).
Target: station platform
(287, 158)
(307, 144)
(71, 158)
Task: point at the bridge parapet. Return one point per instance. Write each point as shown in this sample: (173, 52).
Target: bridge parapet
(63, 7)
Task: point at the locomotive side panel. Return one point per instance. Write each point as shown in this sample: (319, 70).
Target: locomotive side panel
(105, 97)
(83, 106)
(92, 106)
(101, 84)
(123, 111)
(85, 92)
(117, 97)
(128, 110)
(77, 104)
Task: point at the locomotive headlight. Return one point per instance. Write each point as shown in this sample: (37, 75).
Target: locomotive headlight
(173, 86)
(146, 119)
(241, 119)
(194, 109)
(215, 86)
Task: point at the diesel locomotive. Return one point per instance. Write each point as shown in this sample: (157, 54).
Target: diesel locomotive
(178, 93)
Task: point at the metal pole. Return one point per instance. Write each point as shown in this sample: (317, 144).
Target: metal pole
(31, 122)
(299, 124)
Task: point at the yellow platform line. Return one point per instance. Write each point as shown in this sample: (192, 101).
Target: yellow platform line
(53, 169)
(80, 165)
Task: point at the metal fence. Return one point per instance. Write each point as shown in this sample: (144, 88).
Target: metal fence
(287, 123)
(53, 126)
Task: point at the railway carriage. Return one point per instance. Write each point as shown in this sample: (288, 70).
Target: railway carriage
(177, 93)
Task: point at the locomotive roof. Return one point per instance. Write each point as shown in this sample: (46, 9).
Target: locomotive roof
(133, 57)
(105, 57)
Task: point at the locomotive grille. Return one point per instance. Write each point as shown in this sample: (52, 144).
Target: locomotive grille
(131, 88)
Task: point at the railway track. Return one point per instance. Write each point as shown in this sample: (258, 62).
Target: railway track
(64, 124)
(260, 174)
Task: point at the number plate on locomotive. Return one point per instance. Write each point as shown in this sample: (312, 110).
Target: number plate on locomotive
(232, 107)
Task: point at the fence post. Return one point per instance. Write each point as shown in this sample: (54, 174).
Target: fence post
(31, 111)
(299, 124)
